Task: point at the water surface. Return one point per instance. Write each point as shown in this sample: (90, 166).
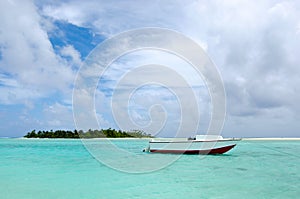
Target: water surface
(65, 169)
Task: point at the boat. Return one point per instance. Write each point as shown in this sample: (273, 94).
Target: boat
(201, 144)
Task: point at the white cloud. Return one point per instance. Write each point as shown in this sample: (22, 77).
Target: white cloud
(58, 116)
(126, 73)
(255, 45)
(71, 12)
(27, 55)
(70, 52)
(254, 42)
(110, 17)
(298, 28)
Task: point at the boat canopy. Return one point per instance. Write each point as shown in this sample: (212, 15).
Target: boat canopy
(209, 137)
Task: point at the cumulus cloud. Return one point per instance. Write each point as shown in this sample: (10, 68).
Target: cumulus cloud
(27, 56)
(136, 88)
(109, 17)
(255, 46)
(71, 54)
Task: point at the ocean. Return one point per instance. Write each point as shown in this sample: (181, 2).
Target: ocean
(62, 168)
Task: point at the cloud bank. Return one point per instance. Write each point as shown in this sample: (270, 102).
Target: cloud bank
(255, 46)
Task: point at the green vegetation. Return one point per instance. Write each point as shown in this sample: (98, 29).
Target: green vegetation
(103, 133)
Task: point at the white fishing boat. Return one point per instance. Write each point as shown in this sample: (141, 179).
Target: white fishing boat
(201, 144)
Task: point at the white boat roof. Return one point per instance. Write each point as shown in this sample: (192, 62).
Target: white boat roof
(209, 137)
(198, 137)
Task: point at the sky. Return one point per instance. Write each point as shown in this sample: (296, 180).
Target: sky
(255, 46)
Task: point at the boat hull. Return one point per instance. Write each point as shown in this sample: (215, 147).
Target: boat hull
(213, 151)
(192, 146)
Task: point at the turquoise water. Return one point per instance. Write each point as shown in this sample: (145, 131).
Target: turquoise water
(65, 169)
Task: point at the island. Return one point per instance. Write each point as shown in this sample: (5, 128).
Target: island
(76, 134)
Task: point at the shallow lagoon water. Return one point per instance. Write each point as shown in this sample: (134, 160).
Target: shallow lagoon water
(60, 168)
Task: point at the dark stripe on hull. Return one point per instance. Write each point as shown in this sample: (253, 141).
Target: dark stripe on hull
(203, 152)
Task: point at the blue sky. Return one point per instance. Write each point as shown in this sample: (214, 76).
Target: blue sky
(255, 46)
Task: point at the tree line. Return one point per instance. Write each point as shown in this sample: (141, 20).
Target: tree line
(103, 133)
